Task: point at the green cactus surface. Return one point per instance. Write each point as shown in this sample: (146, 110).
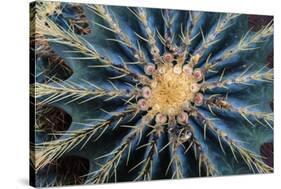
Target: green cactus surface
(128, 94)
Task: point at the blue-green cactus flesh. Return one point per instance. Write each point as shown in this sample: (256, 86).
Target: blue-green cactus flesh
(145, 94)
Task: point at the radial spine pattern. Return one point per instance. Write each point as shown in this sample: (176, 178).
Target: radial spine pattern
(151, 93)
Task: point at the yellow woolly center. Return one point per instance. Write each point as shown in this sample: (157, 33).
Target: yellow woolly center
(170, 90)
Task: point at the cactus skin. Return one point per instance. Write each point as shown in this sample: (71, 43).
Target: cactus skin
(214, 118)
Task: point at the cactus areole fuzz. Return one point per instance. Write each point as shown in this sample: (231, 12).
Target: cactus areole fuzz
(172, 89)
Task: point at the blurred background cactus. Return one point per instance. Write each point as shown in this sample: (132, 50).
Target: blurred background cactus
(126, 94)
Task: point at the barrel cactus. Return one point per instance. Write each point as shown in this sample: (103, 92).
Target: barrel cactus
(129, 94)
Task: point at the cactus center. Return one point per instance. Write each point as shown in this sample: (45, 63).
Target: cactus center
(170, 89)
